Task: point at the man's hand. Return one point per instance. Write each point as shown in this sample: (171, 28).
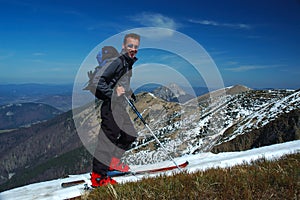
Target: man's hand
(133, 97)
(120, 90)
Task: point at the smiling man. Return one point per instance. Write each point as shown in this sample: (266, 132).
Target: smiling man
(117, 132)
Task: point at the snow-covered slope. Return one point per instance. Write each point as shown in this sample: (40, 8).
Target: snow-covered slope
(201, 124)
(52, 189)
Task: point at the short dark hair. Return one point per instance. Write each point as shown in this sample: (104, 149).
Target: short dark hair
(132, 35)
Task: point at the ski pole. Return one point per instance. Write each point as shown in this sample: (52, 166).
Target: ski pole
(147, 126)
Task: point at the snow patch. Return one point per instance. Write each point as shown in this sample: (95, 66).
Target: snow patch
(9, 113)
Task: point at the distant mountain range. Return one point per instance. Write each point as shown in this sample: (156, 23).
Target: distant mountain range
(228, 119)
(58, 96)
(13, 116)
(172, 92)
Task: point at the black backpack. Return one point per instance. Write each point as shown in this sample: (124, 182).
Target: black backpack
(105, 57)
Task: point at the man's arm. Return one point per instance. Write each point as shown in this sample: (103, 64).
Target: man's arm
(107, 80)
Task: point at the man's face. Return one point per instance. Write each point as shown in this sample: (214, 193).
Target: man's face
(131, 46)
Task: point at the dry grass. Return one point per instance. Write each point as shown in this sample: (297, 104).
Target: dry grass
(262, 179)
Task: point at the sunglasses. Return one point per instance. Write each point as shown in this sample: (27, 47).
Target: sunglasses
(132, 46)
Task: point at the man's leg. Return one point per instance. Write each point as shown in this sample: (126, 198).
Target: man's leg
(106, 146)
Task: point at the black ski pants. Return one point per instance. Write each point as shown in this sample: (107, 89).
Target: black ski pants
(116, 135)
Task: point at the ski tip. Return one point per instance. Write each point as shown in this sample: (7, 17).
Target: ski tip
(185, 164)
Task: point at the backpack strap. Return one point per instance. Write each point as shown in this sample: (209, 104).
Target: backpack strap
(125, 65)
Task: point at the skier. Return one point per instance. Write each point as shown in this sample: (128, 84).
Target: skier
(117, 132)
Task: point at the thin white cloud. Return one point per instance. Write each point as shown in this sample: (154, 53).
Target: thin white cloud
(250, 67)
(232, 63)
(155, 20)
(38, 54)
(163, 26)
(214, 23)
(51, 65)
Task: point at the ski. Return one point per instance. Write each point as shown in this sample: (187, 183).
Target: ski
(118, 173)
(161, 169)
(72, 183)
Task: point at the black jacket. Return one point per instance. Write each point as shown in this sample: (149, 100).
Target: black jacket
(119, 72)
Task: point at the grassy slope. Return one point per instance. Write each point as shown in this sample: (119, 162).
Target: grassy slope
(262, 179)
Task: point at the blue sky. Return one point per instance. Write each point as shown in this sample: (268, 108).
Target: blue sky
(252, 42)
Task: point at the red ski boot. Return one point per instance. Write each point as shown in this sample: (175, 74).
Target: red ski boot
(116, 164)
(99, 180)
